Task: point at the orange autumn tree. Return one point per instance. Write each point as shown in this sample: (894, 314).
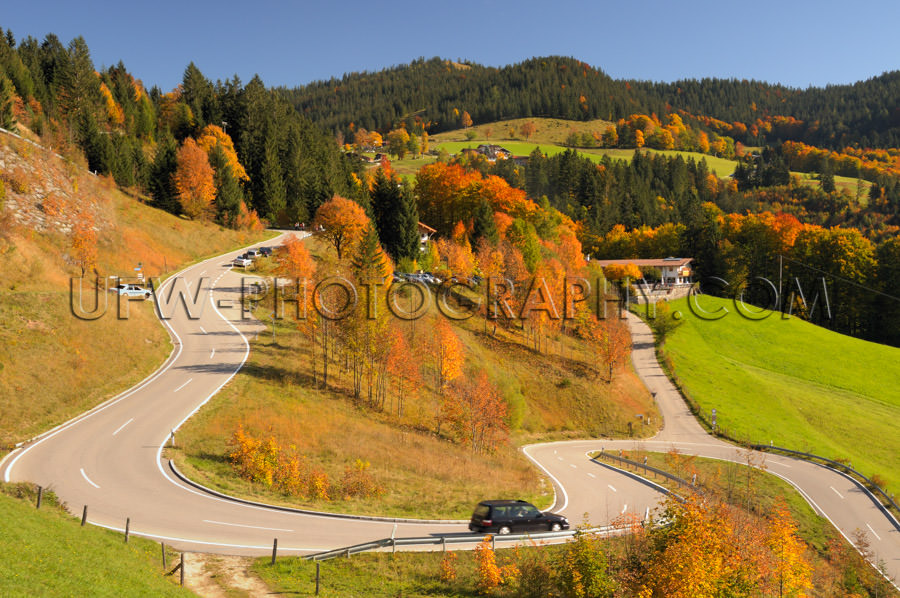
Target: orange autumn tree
(194, 180)
(611, 340)
(84, 242)
(792, 573)
(343, 223)
(528, 129)
(248, 219)
(448, 353)
(446, 193)
(476, 412)
(113, 110)
(213, 136)
(621, 271)
(456, 253)
(295, 260)
(403, 365)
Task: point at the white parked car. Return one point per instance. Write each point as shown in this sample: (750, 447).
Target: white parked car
(253, 253)
(131, 290)
(242, 261)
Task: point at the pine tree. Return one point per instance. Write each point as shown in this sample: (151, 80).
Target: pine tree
(385, 200)
(369, 261)
(273, 184)
(162, 187)
(7, 118)
(228, 191)
(396, 216)
(79, 87)
(826, 178)
(483, 225)
(199, 95)
(408, 247)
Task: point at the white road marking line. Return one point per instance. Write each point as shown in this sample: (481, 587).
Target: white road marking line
(624, 509)
(183, 385)
(874, 532)
(573, 466)
(836, 492)
(611, 487)
(203, 330)
(212, 353)
(176, 539)
(777, 463)
(84, 475)
(272, 529)
(560, 458)
(122, 426)
(592, 475)
(202, 273)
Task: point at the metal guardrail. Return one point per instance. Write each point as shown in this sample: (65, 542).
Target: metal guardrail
(443, 541)
(650, 469)
(837, 466)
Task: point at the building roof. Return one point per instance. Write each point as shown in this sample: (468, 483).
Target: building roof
(669, 262)
(427, 228)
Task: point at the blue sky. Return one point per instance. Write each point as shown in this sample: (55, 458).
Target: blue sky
(798, 43)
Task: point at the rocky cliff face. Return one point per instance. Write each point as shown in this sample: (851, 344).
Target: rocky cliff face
(43, 192)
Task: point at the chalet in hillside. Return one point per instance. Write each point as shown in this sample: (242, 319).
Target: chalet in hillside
(425, 234)
(493, 152)
(673, 271)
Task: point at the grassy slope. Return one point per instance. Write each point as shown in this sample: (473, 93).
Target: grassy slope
(551, 135)
(424, 476)
(53, 365)
(549, 131)
(795, 384)
(48, 554)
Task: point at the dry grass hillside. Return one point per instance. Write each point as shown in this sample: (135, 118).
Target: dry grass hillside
(554, 393)
(52, 364)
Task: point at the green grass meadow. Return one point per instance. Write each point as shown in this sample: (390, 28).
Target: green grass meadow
(792, 383)
(47, 553)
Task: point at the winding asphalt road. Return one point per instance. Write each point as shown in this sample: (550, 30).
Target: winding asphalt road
(111, 457)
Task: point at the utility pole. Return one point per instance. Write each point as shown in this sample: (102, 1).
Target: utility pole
(780, 269)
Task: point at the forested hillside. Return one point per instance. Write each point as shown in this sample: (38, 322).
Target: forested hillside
(439, 91)
(258, 154)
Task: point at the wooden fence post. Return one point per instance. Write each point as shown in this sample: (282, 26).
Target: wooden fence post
(40, 496)
(84, 516)
(317, 577)
(164, 555)
(127, 528)
(182, 569)
(274, 550)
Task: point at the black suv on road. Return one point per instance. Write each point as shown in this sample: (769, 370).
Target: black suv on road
(514, 516)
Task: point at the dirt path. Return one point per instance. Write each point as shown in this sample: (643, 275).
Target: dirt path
(221, 576)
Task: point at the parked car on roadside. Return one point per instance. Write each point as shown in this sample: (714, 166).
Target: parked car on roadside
(265, 251)
(131, 290)
(253, 253)
(514, 517)
(242, 261)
